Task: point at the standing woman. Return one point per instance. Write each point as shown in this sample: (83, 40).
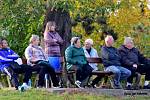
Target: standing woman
(52, 40)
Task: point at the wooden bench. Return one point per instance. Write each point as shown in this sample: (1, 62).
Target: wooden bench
(98, 61)
(71, 74)
(48, 83)
(7, 79)
(99, 73)
(48, 80)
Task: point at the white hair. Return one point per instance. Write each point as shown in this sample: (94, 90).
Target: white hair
(33, 38)
(128, 40)
(90, 41)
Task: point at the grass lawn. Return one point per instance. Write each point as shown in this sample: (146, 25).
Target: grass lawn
(44, 95)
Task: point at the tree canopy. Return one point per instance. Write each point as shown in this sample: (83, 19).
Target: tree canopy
(19, 19)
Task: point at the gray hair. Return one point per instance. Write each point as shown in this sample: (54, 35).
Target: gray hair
(33, 38)
(128, 40)
(74, 40)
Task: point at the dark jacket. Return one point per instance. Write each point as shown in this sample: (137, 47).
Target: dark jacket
(110, 56)
(131, 56)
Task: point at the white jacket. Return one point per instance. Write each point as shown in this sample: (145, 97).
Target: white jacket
(94, 54)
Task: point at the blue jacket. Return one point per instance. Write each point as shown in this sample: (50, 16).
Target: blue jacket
(6, 56)
(110, 56)
(8, 53)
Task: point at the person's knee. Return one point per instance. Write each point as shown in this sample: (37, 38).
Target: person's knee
(43, 69)
(128, 73)
(118, 72)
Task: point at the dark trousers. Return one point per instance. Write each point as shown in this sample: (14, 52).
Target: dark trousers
(97, 79)
(83, 72)
(140, 69)
(26, 69)
(41, 71)
(44, 68)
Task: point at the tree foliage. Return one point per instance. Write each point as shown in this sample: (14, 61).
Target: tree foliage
(90, 19)
(19, 19)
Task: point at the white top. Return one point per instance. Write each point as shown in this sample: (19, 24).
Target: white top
(93, 54)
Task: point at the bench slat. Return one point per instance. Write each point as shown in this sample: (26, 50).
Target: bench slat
(94, 60)
(101, 73)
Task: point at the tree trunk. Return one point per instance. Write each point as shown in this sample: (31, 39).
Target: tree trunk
(63, 22)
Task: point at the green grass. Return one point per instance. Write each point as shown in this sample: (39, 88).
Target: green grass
(44, 95)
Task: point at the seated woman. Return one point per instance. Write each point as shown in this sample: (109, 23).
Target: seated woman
(74, 55)
(36, 56)
(90, 52)
(11, 68)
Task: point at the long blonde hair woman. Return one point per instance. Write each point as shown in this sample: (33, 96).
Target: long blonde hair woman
(52, 40)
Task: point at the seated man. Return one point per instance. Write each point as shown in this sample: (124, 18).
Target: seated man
(111, 60)
(74, 55)
(11, 68)
(35, 56)
(134, 61)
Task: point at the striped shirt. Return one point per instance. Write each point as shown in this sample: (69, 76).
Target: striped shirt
(34, 53)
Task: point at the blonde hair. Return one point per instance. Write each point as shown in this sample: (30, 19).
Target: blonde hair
(89, 41)
(49, 24)
(33, 38)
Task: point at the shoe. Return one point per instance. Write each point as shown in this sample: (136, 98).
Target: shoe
(57, 87)
(20, 88)
(116, 86)
(146, 87)
(94, 86)
(24, 87)
(78, 83)
(40, 87)
(129, 87)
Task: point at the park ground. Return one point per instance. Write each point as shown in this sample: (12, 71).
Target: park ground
(35, 94)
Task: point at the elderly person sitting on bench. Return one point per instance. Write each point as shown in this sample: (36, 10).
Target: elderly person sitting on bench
(35, 56)
(90, 52)
(112, 62)
(74, 55)
(133, 60)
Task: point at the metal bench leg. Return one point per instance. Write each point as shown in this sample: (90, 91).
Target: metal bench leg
(71, 80)
(46, 81)
(61, 81)
(36, 80)
(1, 86)
(8, 81)
(111, 81)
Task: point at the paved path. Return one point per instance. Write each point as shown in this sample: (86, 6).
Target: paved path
(96, 91)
